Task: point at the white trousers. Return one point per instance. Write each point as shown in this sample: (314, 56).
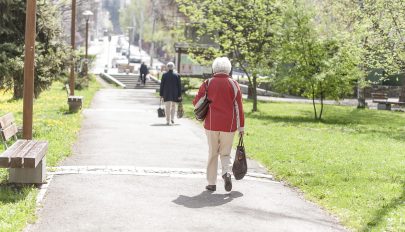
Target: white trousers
(170, 109)
(220, 144)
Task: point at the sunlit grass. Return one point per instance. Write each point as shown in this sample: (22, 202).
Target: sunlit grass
(52, 123)
(352, 163)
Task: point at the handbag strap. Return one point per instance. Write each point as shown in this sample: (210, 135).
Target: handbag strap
(240, 144)
(206, 88)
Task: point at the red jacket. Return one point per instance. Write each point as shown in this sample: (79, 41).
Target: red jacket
(226, 109)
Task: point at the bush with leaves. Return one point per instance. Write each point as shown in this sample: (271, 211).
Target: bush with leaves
(244, 31)
(310, 64)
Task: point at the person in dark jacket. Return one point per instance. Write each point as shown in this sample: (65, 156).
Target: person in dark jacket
(170, 91)
(144, 71)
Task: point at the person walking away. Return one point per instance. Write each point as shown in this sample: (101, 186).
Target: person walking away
(143, 71)
(224, 117)
(170, 91)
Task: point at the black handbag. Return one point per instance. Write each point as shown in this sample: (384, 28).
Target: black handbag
(239, 167)
(161, 112)
(201, 111)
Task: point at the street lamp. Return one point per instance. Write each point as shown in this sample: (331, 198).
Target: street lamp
(129, 43)
(87, 14)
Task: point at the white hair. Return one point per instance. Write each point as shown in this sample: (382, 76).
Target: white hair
(221, 65)
(170, 65)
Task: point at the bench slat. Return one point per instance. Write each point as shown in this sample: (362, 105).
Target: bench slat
(9, 132)
(17, 159)
(6, 120)
(35, 155)
(6, 155)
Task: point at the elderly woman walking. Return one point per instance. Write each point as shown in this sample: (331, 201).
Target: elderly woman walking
(224, 117)
(170, 92)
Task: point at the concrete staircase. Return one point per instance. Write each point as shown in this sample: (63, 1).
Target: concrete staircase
(134, 82)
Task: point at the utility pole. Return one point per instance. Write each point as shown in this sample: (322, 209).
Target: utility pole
(140, 33)
(30, 33)
(73, 42)
(152, 47)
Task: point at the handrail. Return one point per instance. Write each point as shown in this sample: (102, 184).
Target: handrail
(112, 79)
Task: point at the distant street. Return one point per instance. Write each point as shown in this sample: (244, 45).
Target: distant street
(107, 50)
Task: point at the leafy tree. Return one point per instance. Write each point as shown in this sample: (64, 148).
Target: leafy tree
(244, 31)
(138, 14)
(51, 53)
(378, 29)
(312, 65)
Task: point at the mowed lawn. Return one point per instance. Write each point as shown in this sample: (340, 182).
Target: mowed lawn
(52, 123)
(352, 163)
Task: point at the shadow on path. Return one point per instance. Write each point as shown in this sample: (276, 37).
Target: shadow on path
(206, 199)
(164, 124)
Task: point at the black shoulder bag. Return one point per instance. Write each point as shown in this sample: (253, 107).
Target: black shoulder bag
(201, 111)
(239, 167)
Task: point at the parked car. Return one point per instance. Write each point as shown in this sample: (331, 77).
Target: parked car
(135, 59)
(118, 60)
(124, 52)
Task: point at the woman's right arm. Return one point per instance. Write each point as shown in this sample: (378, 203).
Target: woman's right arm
(200, 94)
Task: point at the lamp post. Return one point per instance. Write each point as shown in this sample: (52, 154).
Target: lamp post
(129, 43)
(87, 14)
(73, 43)
(30, 33)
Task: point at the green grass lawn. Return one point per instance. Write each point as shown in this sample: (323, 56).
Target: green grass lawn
(352, 163)
(52, 123)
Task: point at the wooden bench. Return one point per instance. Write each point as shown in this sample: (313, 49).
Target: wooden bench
(75, 102)
(382, 101)
(25, 159)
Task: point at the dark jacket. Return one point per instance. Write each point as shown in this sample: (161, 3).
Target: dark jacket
(144, 69)
(170, 86)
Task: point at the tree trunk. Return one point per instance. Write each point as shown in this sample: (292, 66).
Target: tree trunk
(402, 96)
(320, 113)
(313, 102)
(254, 92)
(18, 92)
(361, 101)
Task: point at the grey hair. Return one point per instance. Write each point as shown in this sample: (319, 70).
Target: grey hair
(221, 65)
(170, 65)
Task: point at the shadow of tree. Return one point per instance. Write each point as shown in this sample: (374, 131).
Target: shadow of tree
(386, 209)
(357, 121)
(206, 199)
(352, 117)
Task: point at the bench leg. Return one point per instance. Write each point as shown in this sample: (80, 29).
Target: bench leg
(28, 175)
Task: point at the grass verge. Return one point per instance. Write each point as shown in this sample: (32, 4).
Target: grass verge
(352, 163)
(53, 123)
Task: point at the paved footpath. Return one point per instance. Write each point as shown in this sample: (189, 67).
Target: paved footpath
(131, 172)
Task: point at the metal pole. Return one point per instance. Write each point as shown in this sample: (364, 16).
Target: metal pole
(178, 61)
(30, 32)
(87, 48)
(152, 47)
(73, 42)
(129, 44)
